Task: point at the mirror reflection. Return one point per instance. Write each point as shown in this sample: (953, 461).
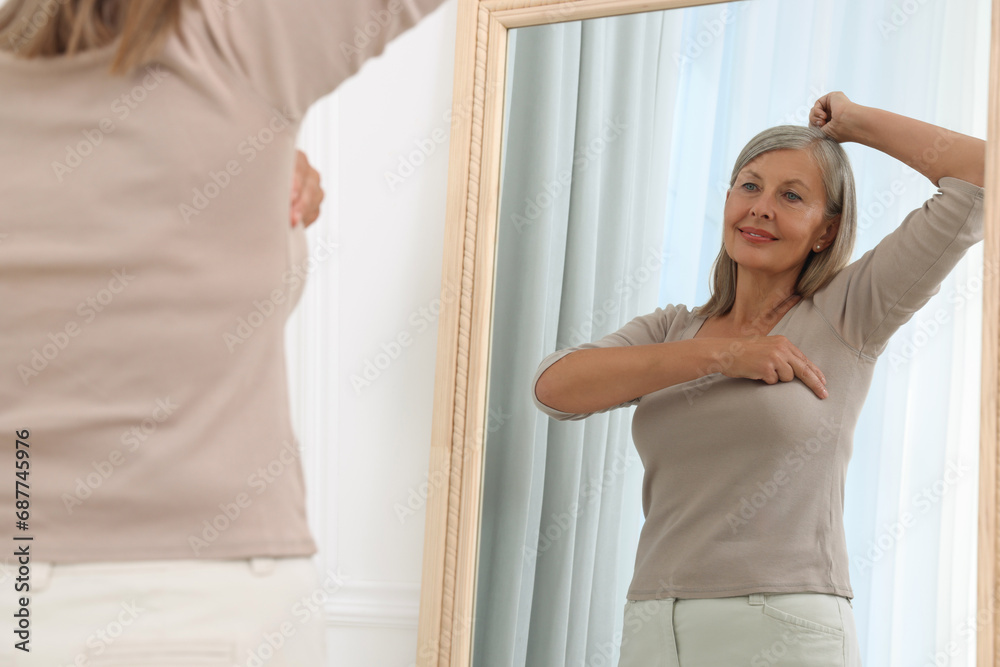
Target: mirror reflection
(620, 138)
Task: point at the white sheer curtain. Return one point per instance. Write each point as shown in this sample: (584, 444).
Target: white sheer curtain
(696, 84)
(911, 494)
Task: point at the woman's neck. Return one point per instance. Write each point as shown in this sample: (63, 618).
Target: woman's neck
(761, 300)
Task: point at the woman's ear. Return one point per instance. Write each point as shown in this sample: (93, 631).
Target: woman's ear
(831, 232)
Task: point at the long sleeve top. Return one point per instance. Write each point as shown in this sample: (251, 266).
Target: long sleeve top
(147, 270)
(743, 486)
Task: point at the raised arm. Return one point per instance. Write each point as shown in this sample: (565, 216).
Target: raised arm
(870, 299)
(293, 52)
(933, 151)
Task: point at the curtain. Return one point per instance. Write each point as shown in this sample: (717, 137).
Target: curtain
(561, 509)
(579, 238)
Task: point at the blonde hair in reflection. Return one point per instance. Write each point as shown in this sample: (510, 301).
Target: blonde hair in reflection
(838, 179)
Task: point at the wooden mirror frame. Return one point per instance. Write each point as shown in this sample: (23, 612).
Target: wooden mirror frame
(448, 585)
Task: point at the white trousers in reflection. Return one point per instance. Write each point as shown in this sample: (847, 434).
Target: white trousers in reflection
(756, 630)
(169, 613)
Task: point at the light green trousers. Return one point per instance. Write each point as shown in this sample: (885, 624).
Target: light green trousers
(756, 630)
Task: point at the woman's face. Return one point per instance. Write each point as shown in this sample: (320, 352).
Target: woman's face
(774, 213)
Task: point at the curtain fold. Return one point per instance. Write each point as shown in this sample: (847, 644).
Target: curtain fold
(530, 226)
(580, 232)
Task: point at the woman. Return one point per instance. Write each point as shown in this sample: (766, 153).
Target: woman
(146, 276)
(747, 405)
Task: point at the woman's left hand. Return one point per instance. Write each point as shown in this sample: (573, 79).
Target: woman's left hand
(306, 192)
(833, 113)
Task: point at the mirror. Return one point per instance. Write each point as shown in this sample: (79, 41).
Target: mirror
(571, 213)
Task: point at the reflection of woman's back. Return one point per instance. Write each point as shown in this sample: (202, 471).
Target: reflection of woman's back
(147, 272)
(744, 481)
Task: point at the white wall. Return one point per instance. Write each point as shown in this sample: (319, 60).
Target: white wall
(369, 445)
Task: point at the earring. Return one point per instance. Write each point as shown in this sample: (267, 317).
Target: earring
(818, 247)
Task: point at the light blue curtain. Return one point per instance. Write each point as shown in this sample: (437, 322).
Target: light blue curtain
(580, 231)
(694, 86)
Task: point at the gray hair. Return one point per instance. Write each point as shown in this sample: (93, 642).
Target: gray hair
(838, 179)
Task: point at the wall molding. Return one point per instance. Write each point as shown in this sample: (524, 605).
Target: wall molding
(374, 604)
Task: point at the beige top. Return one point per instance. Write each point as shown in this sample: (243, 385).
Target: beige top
(743, 489)
(147, 269)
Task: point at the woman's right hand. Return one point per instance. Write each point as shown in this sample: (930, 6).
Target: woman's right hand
(933, 151)
(771, 359)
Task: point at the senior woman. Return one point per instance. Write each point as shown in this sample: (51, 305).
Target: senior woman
(751, 400)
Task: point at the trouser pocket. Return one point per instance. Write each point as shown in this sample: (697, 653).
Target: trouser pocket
(816, 612)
